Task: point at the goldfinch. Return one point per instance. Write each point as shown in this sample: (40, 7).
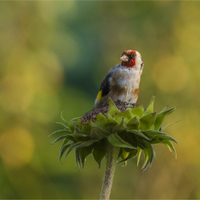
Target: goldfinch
(123, 81)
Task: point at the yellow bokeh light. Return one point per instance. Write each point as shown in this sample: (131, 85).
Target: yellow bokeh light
(188, 138)
(170, 74)
(15, 94)
(16, 147)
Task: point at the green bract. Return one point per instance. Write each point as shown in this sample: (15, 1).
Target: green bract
(134, 131)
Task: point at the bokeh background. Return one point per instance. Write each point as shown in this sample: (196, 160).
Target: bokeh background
(53, 57)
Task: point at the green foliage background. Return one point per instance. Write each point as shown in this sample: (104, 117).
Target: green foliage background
(53, 57)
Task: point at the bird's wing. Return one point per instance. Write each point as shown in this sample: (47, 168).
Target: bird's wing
(105, 86)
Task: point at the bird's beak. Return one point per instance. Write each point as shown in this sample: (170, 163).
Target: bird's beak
(124, 58)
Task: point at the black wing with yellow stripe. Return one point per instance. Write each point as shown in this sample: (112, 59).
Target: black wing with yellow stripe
(105, 86)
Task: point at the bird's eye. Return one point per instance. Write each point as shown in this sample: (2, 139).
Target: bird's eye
(133, 55)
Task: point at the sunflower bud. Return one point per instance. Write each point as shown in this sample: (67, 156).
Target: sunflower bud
(132, 129)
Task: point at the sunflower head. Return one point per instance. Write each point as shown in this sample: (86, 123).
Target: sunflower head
(132, 129)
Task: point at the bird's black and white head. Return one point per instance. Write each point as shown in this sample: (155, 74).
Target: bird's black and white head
(132, 59)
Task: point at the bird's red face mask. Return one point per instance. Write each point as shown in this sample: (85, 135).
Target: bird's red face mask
(128, 58)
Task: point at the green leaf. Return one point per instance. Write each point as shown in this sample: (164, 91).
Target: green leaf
(77, 157)
(116, 141)
(137, 111)
(147, 121)
(123, 156)
(139, 155)
(99, 152)
(150, 107)
(149, 155)
(112, 109)
(129, 155)
(152, 133)
(79, 145)
(78, 136)
(57, 139)
(84, 152)
(79, 123)
(87, 143)
(77, 133)
(72, 124)
(86, 129)
(110, 120)
(120, 127)
(126, 115)
(64, 147)
(146, 161)
(109, 123)
(100, 118)
(72, 146)
(59, 131)
(161, 116)
(134, 123)
(165, 108)
(97, 133)
(168, 125)
(170, 146)
(129, 138)
(69, 137)
(120, 152)
(61, 115)
(161, 138)
(138, 133)
(65, 126)
(158, 136)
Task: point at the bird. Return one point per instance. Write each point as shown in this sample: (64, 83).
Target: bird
(122, 82)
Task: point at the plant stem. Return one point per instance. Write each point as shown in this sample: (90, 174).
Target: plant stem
(111, 161)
